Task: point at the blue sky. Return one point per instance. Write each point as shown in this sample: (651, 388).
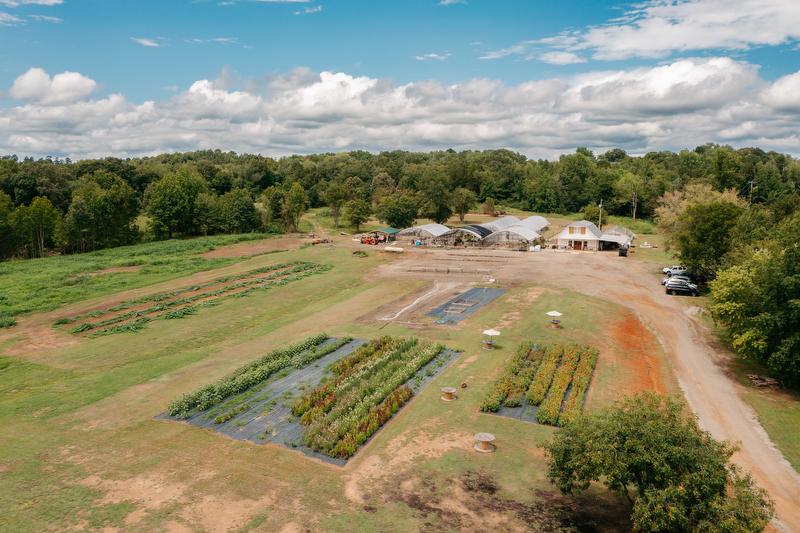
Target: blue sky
(440, 54)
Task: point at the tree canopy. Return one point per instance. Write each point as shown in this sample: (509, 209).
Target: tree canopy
(675, 475)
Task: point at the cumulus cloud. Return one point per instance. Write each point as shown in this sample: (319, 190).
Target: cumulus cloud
(38, 87)
(560, 58)
(308, 10)
(658, 28)
(675, 105)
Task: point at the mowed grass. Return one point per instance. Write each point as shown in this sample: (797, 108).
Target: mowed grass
(46, 283)
(82, 448)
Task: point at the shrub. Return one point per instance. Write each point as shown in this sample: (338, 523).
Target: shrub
(580, 384)
(544, 375)
(550, 409)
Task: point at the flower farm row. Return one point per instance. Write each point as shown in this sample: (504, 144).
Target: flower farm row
(245, 378)
(367, 388)
(169, 305)
(543, 376)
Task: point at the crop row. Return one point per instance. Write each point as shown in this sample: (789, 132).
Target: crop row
(252, 374)
(369, 387)
(550, 409)
(510, 389)
(172, 309)
(544, 374)
(580, 384)
(162, 296)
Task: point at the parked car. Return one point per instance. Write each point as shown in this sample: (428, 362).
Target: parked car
(675, 269)
(677, 286)
(680, 277)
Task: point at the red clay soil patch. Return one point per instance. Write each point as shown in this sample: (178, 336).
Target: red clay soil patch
(250, 248)
(636, 349)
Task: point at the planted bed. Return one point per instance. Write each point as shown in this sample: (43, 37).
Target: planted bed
(133, 315)
(465, 305)
(543, 383)
(323, 396)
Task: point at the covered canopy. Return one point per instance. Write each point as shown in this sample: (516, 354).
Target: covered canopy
(428, 231)
(491, 333)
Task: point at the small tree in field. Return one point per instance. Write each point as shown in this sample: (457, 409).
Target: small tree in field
(463, 200)
(675, 475)
(356, 212)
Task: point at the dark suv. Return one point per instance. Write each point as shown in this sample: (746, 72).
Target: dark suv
(679, 286)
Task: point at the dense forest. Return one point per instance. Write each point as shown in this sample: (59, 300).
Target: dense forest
(732, 215)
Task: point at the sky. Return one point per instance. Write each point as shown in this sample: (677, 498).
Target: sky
(92, 78)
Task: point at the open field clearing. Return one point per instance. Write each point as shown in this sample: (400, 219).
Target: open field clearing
(50, 282)
(86, 445)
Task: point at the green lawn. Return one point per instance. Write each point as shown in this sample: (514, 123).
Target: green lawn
(46, 283)
(79, 434)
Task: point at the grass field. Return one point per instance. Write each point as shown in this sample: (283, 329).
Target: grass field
(46, 283)
(82, 448)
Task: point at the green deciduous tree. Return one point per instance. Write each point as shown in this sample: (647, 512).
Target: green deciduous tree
(398, 210)
(335, 195)
(675, 475)
(356, 212)
(239, 213)
(704, 235)
(295, 203)
(36, 225)
(208, 213)
(758, 300)
(170, 202)
(463, 200)
(101, 213)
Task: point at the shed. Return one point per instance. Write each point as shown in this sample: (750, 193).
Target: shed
(425, 232)
(616, 237)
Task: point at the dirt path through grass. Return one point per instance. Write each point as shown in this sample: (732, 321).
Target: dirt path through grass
(698, 365)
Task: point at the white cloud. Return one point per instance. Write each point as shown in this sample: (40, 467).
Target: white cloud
(676, 105)
(308, 10)
(659, 28)
(17, 3)
(37, 86)
(433, 56)
(560, 58)
(7, 19)
(46, 18)
(144, 41)
(451, 2)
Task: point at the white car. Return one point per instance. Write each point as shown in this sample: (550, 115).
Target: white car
(675, 269)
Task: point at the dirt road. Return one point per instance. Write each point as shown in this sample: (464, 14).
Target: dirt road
(698, 366)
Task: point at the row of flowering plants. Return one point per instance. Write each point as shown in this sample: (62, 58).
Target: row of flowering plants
(550, 408)
(544, 374)
(169, 306)
(254, 373)
(580, 385)
(368, 387)
(510, 389)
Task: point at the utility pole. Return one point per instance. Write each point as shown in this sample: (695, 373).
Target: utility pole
(634, 202)
(750, 197)
(600, 218)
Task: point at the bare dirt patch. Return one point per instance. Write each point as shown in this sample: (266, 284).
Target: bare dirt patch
(638, 346)
(153, 493)
(251, 248)
(519, 301)
(474, 502)
(401, 453)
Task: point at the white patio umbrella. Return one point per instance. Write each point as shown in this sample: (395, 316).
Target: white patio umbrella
(490, 333)
(554, 317)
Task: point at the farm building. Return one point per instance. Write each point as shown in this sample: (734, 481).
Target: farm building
(424, 233)
(580, 235)
(536, 223)
(516, 237)
(501, 223)
(470, 235)
(584, 235)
